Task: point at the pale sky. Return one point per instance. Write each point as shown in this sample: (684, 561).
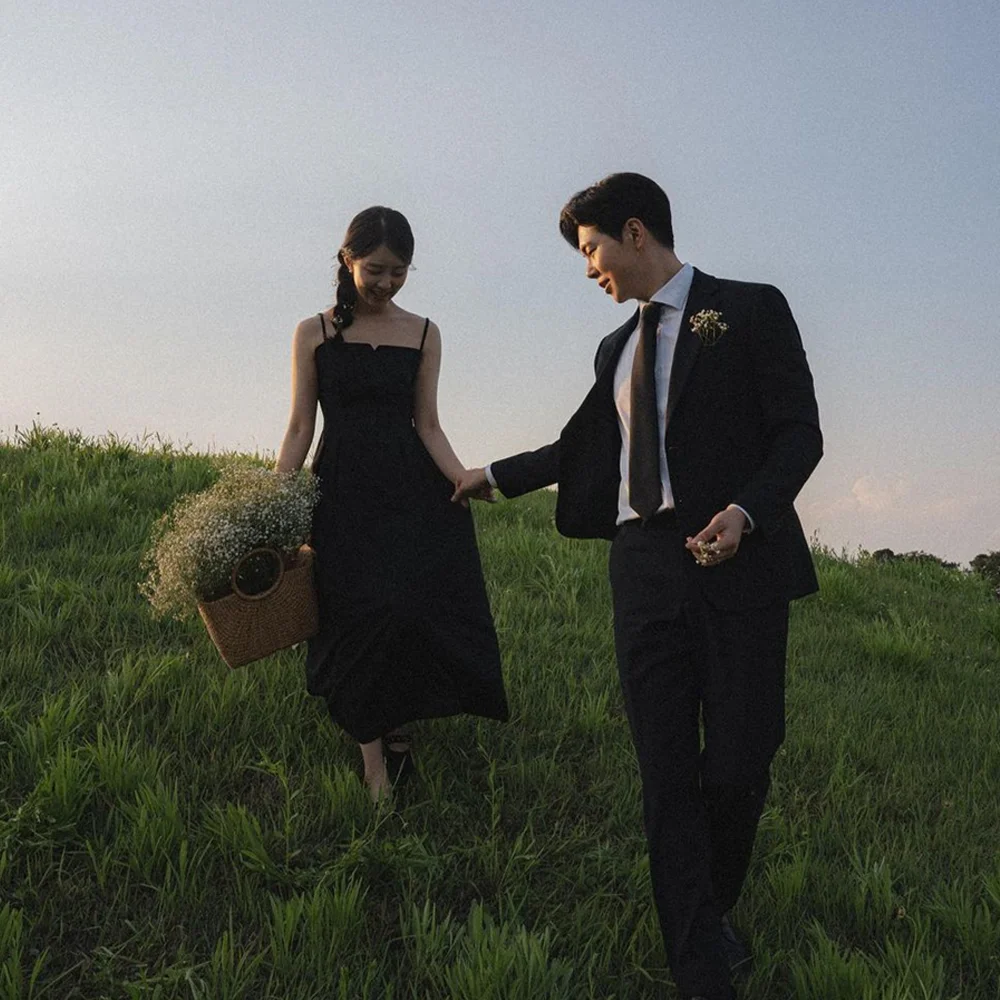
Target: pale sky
(177, 177)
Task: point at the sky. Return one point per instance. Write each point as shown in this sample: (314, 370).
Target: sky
(177, 178)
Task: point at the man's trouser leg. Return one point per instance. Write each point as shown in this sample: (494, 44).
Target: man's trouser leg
(667, 652)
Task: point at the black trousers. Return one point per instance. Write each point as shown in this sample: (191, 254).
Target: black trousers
(704, 694)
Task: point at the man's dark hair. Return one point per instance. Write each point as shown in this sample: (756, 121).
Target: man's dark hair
(610, 203)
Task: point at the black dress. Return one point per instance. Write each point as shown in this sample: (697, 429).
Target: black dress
(405, 626)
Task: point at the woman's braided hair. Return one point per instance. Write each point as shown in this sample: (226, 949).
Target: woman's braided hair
(374, 227)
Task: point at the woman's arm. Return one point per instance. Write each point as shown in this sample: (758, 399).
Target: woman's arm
(425, 411)
(302, 418)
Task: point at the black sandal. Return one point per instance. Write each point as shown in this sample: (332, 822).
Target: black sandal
(398, 763)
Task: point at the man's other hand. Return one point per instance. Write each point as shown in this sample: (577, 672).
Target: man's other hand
(720, 539)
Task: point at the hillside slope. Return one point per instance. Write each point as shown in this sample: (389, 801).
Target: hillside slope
(170, 828)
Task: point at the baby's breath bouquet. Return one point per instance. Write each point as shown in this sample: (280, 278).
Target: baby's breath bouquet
(196, 544)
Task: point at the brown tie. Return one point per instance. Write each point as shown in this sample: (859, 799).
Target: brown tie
(645, 490)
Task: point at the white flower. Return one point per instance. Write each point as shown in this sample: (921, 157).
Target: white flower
(195, 545)
(709, 327)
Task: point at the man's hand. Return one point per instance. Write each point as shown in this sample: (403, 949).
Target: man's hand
(472, 483)
(719, 540)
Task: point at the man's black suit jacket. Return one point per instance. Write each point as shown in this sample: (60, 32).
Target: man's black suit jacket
(742, 427)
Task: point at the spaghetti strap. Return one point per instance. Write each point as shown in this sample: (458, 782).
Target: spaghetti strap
(427, 323)
(322, 320)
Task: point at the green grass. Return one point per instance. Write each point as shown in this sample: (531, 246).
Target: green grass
(173, 829)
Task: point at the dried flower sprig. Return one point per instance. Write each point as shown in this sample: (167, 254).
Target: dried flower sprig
(709, 327)
(195, 545)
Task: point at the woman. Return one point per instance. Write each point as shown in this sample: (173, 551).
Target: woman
(405, 626)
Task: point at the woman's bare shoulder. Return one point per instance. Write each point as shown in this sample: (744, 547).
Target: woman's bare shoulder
(406, 318)
(433, 333)
(414, 323)
(309, 332)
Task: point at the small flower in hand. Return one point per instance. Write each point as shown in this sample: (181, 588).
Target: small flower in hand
(719, 540)
(705, 553)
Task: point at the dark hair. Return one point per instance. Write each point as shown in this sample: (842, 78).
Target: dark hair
(374, 227)
(610, 203)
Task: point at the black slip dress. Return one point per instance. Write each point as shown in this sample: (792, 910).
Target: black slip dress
(405, 626)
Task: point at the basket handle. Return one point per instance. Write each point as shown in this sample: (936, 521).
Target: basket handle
(277, 580)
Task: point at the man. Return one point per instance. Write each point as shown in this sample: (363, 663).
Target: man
(699, 432)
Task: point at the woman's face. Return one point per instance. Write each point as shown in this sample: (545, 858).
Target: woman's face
(379, 276)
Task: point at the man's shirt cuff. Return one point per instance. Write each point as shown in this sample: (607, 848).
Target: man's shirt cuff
(488, 471)
(749, 526)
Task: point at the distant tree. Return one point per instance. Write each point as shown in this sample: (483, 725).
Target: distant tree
(888, 556)
(987, 565)
(927, 557)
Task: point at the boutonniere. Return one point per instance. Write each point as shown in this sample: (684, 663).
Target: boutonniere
(709, 327)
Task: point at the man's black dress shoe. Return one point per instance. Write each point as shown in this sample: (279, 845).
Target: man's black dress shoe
(737, 953)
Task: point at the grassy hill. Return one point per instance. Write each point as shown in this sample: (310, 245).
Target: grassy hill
(173, 829)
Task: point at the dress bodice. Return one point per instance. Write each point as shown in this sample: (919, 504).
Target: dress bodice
(370, 448)
(357, 380)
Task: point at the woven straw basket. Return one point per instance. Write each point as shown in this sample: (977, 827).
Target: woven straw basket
(248, 627)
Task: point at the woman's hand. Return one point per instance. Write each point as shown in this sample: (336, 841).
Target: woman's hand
(472, 483)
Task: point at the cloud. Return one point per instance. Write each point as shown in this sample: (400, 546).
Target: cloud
(869, 495)
(939, 513)
(872, 495)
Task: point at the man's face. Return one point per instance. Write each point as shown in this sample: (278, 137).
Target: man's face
(610, 262)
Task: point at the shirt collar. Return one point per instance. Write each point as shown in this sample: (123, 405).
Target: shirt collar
(675, 292)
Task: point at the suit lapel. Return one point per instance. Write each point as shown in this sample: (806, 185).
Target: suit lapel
(616, 344)
(608, 364)
(703, 290)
